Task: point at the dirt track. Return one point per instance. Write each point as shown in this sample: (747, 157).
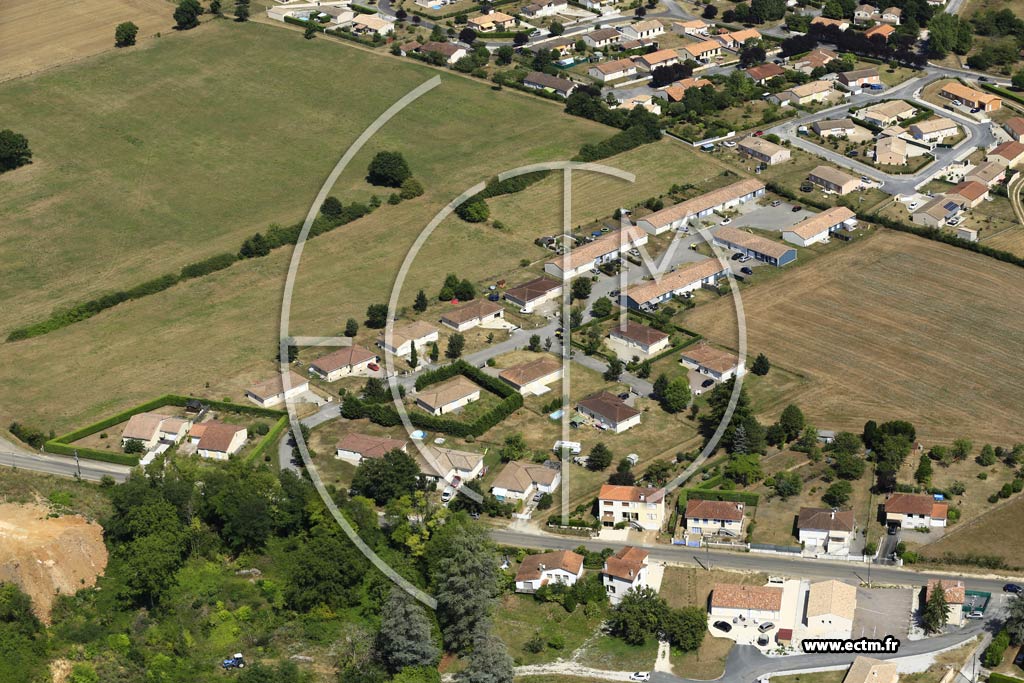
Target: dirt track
(46, 557)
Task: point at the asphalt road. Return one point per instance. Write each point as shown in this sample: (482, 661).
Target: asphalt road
(60, 465)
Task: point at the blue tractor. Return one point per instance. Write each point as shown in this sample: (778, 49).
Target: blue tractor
(236, 661)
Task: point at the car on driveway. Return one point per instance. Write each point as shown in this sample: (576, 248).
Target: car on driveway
(723, 626)
(728, 143)
(746, 270)
(1013, 588)
(624, 395)
(373, 366)
(797, 207)
(758, 133)
(707, 383)
(726, 221)
(765, 627)
(807, 188)
(776, 202)
(640, 676)
(737, 256)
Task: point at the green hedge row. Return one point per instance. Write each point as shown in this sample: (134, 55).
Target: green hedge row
(775, 188)
(271, 438)
(385, 414)
(1003, 92)
(61, 444)
(744, 497)
(712, 482)
(448, 15)
(1003, 678)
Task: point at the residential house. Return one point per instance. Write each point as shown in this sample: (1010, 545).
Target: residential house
(405, 49)
(343, 362)
(406, 335)
(824, 530)
(624, 571)
(355, 447)
(653, 60)
(686, 278)
(862, 14)
(589, 255)
(531, 295)
(830, 609)
(636, 340)
(714, 518)
(887, 113)
(633, 505)
(533, 377)
(545, 8)
(602, 37)
(704, 51)
(956, 595)
(755, 603)
(912, 510)
(494, 21)
(538, 80)
(813, 59)
(677, 91)
(647, 102)
(271, 392)
(817, 228)
(448, 396)
(934, 130)
(679, 215)
(1009, 154)
(609, 411)
(630, 45)
(883, 30)
(870, 670)
(444, 465)
(450, 51)
(713, 362)
(808, 93)
(694, 27)
(763, 73)
(1014, 126)
(599, 6)
(831, 179)
(150, 429)
(760, 248)
(643, 30)
(891, 15)
(825, 22)
(613, 70)
(765, 151)
(520, 481)
(559, 567)
(476, 312)
(866, 13)
(217, 440)
(858, 78)
(936, 212)
(891, 151)
(955, 90)
(988, 173)
(735, 40)
(834, 128)
(971, 192)
(364, 24)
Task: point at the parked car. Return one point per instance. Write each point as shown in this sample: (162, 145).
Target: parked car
(758, 133)
(975, 110)
(707, 383)
(807, 188)
(894, 529)
(1013, 588)
(765, 627)
(953, 221)
(975, 615)
(737, 256)
(493, 296)
(447, 495)
(777, 202)
(852, 153)
(746, 270)
(1019, 659)
(762, 640)
(745, 258)
(983, 79)
(728, 143)
(374, 367)
(797, 207)
(957, 103)
(537, 496)
(727, 221)
(640, 676)
(723, 626)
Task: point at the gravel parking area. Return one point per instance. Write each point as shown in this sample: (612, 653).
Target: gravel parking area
(882, 611)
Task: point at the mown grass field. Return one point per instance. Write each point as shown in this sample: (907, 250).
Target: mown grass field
(998, 533)
(148, 160)
(892, 327)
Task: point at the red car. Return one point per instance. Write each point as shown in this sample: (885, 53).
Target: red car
(374, 367)
(758, 133)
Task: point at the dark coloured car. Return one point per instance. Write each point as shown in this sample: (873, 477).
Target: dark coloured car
(758, 133)
(1013, 588)
(746, 270)
(797, 207)
(493, 296)
(1019, 659)
(624, 395)
(806, 188)
(737, 256)
(723, 626)
(707, 383)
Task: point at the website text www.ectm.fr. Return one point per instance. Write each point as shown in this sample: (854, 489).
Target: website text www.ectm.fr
(886, 645)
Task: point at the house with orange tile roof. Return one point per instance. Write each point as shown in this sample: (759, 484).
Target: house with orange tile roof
(763, 603)
(634, 505)
(559, 567)
(344, 362)
(956, 595)
(884, 30)
(912, 510)
(714, 517)
(624, 571)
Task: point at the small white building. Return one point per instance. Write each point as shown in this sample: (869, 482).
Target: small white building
(151, 429)
(624, 571)
(707, 360)
(531, 295)
(406, 335)
(583, 258)
(560, 567)
(476, 312)
(270, 392)
(355, 447)
(817, 228)
(520, 481)
(217, 440)
(613, 70)
(830, 609)
(545, 8)
(638, 340)
(824, 530)
(608, 411)
(634, 505)
(912, 510)
(344, 362)
(643, 30)
(714, 517)
(532, 378)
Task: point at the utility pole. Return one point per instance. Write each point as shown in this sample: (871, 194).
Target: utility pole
(78, 466)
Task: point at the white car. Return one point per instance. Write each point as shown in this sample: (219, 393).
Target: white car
(727, 221)
(912, 205)
(640, 676)
(729, 143)
(447, 494)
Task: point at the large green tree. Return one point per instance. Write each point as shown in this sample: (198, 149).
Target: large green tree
(389, 169)
(936, 610)
(405, 639)
(1014, 624)
(124, 34)
(489, 661)
(638, 615)
(382, 479)
(186, 14)
(22, 638)
(14, 150)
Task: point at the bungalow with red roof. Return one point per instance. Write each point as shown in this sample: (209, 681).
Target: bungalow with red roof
(356, 447)
(636, 340)
(470, 315)
(1009, 154)
(218, 440)
(956, 595)
(635, 505)
(912, 510)
(559, 567)
(608, 411)
(344, 362)
(756, 603)
(763, 73)
(714, 517)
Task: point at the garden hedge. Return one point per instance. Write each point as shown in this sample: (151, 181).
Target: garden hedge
(744, 497)
(270, 438)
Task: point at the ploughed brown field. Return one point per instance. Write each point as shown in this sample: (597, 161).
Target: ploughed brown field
(892, 327)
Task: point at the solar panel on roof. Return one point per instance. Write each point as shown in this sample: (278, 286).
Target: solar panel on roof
(950, 206)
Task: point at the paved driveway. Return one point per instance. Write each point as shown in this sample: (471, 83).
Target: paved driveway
(882, 611)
